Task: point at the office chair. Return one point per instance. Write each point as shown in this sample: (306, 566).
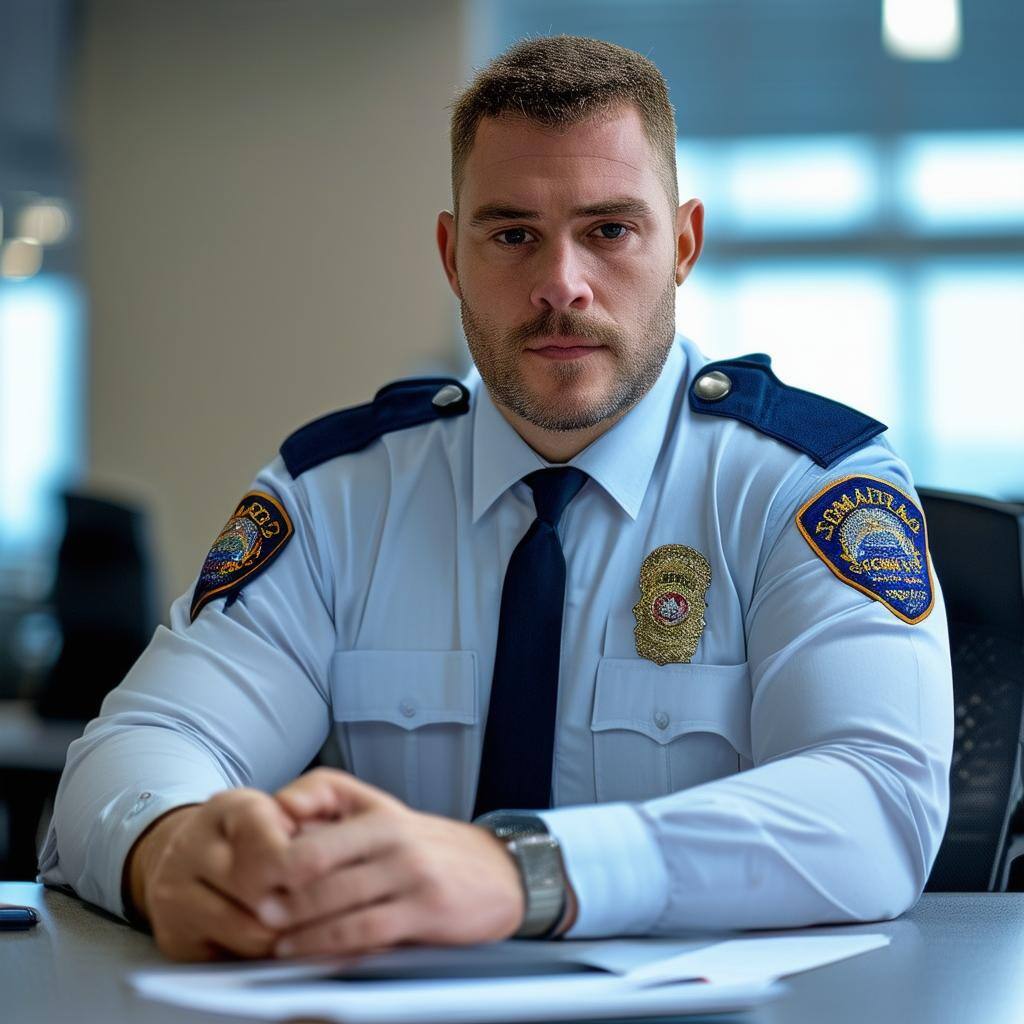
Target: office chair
(976, 547)
(104, 602)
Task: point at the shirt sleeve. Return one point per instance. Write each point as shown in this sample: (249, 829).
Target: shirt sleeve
(237, 697)
(841, 816)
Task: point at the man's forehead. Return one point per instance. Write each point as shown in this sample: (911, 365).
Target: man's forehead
(522, 165)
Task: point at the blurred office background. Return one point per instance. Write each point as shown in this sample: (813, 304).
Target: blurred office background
(218, 223)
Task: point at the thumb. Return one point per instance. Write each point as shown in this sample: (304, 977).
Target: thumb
(328, 794)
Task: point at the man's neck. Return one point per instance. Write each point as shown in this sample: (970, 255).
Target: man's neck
(557, 445)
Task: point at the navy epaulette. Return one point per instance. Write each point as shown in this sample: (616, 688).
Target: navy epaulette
(746, 389)
(405, 403)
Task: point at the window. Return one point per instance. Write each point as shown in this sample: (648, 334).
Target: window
(41, 377)
(888, 285)
(864, 214)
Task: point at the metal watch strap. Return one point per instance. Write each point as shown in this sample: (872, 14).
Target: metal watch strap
(539, 860)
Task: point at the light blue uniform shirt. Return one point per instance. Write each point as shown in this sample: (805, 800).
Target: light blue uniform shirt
(795, 772)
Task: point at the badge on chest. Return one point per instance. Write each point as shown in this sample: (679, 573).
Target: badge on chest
(674, 581)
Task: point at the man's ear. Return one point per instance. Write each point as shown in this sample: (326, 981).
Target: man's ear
(446, 246)
(689, 237)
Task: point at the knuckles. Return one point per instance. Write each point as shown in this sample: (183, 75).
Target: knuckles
(443, 866)
(307, 862)
(238, 796)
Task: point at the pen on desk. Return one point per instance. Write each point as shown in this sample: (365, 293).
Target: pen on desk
(14, 918)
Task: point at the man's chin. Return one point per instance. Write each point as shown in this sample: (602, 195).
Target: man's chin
(562, 416)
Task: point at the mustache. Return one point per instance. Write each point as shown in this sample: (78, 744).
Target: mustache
(565, 325)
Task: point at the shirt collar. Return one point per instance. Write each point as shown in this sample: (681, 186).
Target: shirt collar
(621, 460)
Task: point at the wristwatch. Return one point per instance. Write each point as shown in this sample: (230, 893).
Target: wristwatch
(541, 870)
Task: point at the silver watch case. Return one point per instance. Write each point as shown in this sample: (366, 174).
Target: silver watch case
(540, 864)
(539, 859)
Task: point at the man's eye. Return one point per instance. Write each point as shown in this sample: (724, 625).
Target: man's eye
(510, 231)
(621, 231)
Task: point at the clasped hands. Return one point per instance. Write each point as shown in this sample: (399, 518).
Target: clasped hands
(327, 865)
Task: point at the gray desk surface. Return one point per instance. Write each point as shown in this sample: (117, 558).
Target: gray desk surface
(956, 958)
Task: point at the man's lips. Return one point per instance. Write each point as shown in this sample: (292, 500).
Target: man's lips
(563, 341)
(563, 347)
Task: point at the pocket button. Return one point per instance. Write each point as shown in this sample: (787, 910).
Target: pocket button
(407, 708)
(661, 720)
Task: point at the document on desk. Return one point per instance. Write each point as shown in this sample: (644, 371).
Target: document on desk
(509, 981)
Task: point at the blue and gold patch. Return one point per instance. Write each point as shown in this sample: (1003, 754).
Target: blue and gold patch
(257, 530)
(873, 536)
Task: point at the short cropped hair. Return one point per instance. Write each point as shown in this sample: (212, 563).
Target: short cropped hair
(561, 81)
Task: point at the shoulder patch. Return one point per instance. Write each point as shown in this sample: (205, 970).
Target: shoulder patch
(873, 536)
(405, 403)
(746, 389)
(257, 531)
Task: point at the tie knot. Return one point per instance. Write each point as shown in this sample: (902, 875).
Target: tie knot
(553, 489)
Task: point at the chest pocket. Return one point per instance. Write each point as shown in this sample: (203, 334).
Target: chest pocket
(662, 728)
(407, 722)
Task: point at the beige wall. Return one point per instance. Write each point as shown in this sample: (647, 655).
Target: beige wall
(260, 182)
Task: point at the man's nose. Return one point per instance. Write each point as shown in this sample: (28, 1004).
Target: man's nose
(561, 277)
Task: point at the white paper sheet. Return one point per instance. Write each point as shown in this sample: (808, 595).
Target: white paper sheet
(467, 1002)
(740, 960)
(643, 977)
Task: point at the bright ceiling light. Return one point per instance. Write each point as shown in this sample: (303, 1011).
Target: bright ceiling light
(46, 220)
(20, 258)
(921, 29)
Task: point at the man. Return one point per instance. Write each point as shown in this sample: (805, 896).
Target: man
(680, 618)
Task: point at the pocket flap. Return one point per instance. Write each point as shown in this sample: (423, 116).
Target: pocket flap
(405, 688)
(668, 701)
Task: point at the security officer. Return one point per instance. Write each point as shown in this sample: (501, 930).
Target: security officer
(666, 629)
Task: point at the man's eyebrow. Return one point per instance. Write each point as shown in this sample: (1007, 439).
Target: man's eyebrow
(622, 207)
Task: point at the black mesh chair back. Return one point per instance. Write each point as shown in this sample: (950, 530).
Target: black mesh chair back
(977, 556)
(105, 604)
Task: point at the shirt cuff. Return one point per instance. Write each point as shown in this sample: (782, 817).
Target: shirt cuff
(144, 807)
(615, 867)
(124, 819)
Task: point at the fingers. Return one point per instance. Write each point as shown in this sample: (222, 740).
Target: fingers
(317, 852)
(212, 871)
(379, 926)
(343, 890)
(257, 833)
(328, 849)
(194, 922)
(252, 815)
(330, 793)
(421, 878)
(237, 845)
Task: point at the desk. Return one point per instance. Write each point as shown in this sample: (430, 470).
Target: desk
(956, 958)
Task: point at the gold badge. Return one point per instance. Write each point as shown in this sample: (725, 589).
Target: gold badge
(674, 580)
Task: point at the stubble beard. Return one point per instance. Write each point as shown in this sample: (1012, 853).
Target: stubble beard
(498, 359)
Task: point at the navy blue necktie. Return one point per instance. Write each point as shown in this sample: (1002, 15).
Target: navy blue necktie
(519, 740)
